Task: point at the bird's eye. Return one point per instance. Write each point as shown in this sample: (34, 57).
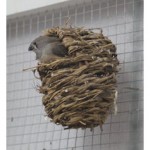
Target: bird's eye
(35, 44)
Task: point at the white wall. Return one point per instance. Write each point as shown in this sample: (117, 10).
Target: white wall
(17, 6)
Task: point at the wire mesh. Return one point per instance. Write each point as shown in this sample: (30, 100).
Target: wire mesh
(27, 126)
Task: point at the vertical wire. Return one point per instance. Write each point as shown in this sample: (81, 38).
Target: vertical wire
(92, 138)
(84, 13)
(53, 18)
(76, 129)
(91, 27)
(16, 42)
(100, 21)
(68, 13)
(51, 142)
(69, 129)
(30, 32)
(68, 138)
(37, 31)
(16, 30)
(38, 23)
(22, 82)
(45, 18)
(124, 15)
(140, 100)
(23, 33)
(136, 117)
(108, 15)
(75, 23)
(125, 29)
(46, 122)
(9, 32)
(91, 14)
(137, 112)
(60, 138)
(123, 52)
(117, 98)
(101, 133)
(108, 7)
(60, 24)
(23, 28)
(76, 138)
(100, 11)
(84, 23)
(16, 39)
(27, 98)
(60, 17)
(76, 14)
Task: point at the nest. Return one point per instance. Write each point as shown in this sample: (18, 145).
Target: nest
(80, 89)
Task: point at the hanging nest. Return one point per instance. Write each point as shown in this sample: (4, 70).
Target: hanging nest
(80, 89)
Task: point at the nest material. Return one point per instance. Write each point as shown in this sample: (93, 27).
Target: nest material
(80, 89)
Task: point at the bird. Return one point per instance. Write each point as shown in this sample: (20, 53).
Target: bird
(47, 48)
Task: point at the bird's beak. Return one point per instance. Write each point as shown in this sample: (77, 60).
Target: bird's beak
(30, 48)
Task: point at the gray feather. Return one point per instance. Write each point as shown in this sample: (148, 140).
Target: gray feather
(47, 46)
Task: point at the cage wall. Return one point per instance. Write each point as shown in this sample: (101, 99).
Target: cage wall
(27, 126)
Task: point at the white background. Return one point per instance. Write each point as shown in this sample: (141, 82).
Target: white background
(17, 6)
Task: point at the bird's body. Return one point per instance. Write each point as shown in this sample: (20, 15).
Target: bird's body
(47, 48)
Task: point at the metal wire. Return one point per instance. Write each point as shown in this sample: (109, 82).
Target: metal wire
(122, 22)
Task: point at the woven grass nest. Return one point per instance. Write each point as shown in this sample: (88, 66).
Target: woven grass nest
(80, 89)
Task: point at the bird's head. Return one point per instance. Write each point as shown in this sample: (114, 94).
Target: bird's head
(47, 47)
(39, 44)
